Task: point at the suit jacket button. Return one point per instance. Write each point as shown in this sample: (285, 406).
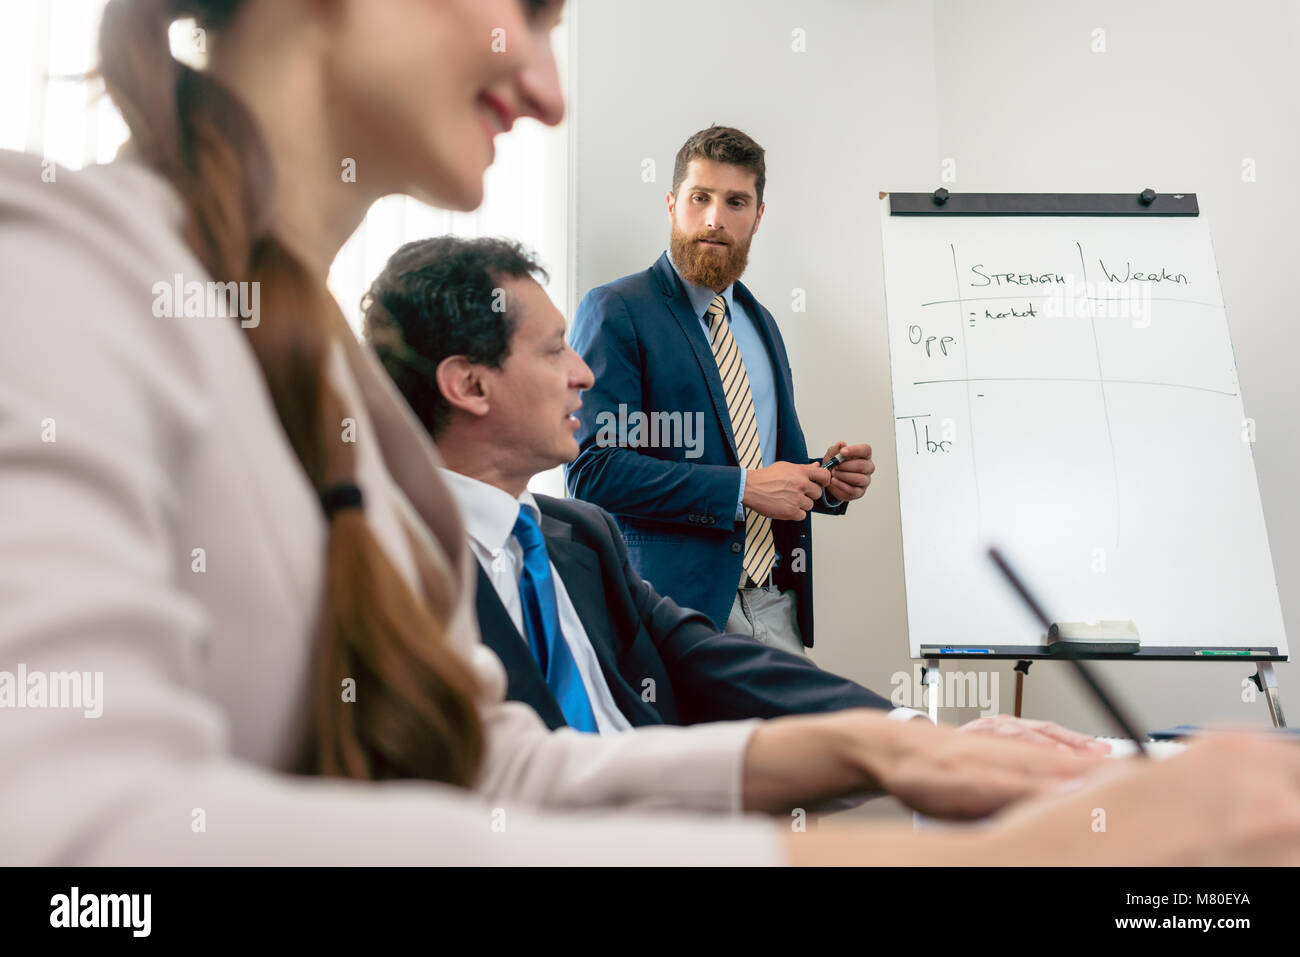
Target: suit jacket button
(735, 548)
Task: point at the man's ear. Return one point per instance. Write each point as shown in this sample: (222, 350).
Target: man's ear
(672, 203)
(761, 207)
(461, 384)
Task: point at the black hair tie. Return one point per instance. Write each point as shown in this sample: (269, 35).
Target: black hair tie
(338, 497)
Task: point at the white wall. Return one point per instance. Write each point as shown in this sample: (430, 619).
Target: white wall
(1184, 93)
(1012, 92)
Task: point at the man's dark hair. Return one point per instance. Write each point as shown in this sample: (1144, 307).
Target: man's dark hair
(441, 297)
(722, 144)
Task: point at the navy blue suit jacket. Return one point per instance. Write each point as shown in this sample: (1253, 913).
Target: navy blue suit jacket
(639, 636)
(649, 353)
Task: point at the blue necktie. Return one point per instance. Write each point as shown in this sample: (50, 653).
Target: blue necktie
(542, 626)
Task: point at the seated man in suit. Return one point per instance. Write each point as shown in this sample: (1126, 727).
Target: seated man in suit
(479, 351)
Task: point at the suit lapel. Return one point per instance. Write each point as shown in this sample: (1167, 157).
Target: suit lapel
(525, 679)
(771, 334)
(680, 307)
(579, 569)
(787, 423)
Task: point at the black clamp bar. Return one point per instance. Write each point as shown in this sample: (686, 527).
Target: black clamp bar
(943, 203)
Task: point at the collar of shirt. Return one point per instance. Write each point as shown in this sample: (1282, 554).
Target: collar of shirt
(489, 513)
(702, 296)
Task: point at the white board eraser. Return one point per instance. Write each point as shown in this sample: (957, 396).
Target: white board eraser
(1095, 637)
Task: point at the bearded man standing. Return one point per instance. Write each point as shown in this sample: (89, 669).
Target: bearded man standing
(689, 436)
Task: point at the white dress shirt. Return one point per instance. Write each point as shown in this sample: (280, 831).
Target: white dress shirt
(490, 516)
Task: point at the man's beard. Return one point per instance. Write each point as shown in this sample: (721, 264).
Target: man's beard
(706, 266)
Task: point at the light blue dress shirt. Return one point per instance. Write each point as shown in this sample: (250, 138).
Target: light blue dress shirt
(758, 367)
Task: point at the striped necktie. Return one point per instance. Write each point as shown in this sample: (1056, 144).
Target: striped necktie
(760, 550)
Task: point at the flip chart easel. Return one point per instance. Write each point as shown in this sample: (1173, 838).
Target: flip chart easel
(1064, 387)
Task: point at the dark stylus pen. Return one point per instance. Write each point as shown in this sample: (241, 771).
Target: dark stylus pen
(1107, 701)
